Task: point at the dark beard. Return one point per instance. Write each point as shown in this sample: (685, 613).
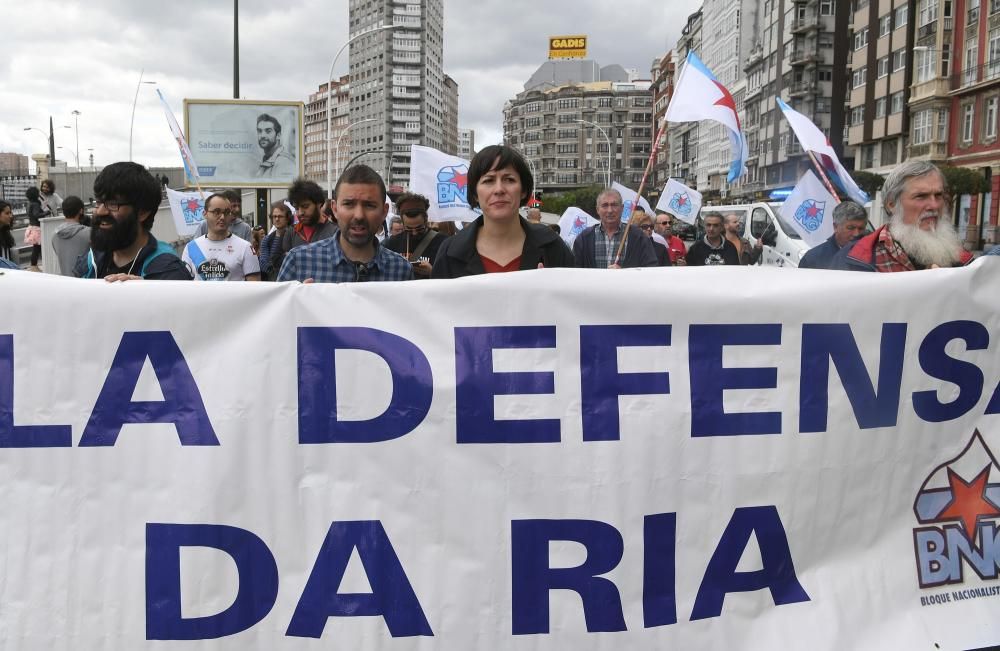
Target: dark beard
(121, 235)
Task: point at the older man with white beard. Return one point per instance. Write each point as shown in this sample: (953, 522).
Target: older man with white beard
(918, 235)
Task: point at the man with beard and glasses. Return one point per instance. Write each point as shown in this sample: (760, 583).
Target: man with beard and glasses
(277, 163)
(307, 198)
(417, 243)
(353, 254)
(918, 234)
(122, 247)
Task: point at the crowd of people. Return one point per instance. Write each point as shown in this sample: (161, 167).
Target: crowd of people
(348, 238)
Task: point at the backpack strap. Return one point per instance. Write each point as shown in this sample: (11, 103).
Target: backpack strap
(161, 248)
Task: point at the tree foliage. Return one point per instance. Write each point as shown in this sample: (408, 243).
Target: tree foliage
(585, 199)
(963, 180)
(868, 181)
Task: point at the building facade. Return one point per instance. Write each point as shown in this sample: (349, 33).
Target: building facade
(574, 121)
(682, 137)
(663, 87)
(397, 94)
(315, 127)
(466, 144)
(13, 164)
(450, 116)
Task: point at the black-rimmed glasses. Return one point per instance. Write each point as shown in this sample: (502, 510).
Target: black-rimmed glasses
(112, 206)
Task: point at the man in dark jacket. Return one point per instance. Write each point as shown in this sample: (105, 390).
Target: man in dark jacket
(713, 249)
(597, 247)
(849, 220)
(417, 243)
(121, 244)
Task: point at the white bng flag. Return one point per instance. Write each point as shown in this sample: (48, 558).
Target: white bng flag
(443, 179)
(809, 209)
(680, 201)
(188, 210)
(572, 223)
(628, 199)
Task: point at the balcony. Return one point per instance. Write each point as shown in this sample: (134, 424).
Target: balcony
(805, 25)
(803, 57)
(756, 56)
(801, 88)
(400, 93)
(406, 45)
(920, 91)
(931, 150)
(930, 29)
(978, 77)
(403, 131)
(406, 57)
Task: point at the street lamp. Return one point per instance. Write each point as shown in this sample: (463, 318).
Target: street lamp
(329, 103)
(134, 100)
(76, 131)
(344, 133)
(607, 140)
(534, 174)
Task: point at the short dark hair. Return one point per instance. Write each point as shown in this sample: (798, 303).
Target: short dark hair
(361, 175)
(303, 190)
(283, 207)
(264, 117)
(214, 195)
(708, 215)
(497, 157)
(233, 195)
(413, 197)
(31, 194)
(6, 237)
(848, 210)
(72, 206)
(133, 183)
(49, 182)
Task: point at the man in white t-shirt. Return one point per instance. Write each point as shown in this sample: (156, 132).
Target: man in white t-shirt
(220, 255)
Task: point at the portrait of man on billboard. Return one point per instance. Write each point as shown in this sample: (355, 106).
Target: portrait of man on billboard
(276, 162)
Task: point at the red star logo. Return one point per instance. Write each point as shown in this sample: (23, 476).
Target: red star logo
(812, 210)
(460, 179)
(681, 201)
(969, 501)
(727, 101)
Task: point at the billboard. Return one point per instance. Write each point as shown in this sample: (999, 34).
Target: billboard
(245, 143)
(568, 47)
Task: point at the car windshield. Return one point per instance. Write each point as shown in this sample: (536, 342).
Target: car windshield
(785, 226)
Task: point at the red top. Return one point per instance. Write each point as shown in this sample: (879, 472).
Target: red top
(492, 267)
(307, 232)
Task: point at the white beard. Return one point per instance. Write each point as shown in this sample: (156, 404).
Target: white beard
(940, 246)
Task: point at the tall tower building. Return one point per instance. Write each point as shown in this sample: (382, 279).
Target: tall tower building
(397, 82)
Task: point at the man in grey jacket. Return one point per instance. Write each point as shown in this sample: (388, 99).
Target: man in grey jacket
(72, 239)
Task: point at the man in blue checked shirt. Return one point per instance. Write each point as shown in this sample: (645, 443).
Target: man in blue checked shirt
(353, 254)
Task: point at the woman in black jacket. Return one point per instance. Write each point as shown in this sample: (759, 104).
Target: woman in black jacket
(500, 240)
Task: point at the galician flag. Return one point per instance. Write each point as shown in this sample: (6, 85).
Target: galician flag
(809, 209)
(572, 223)
(629, 197)
(186, 156)
(443, 179)
(680, 201)
(812, 139)
(698, 95)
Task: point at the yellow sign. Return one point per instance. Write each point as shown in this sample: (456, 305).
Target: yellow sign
(567, 47)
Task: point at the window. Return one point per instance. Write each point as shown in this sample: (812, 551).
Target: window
(860, 77)
(990, 118)
(993, 60)
(942, 132)
(857, 115)
(826, 74)
(898, 60)
(922, 126)
(901, 16)
(825, 7)
(880, 107)
(889, 149)
(967, 118)
(568, 103)
(823, 104)
(971, 54)
(884, 25)
(861, 39)
(566, 148)
(926, 65)
(883, 67)
(973, 15)
(927, 11)
(994, 6)
(896, 102)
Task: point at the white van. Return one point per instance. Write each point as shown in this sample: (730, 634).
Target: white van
(788, 247)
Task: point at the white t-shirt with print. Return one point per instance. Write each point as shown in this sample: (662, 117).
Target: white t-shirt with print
(228, 259)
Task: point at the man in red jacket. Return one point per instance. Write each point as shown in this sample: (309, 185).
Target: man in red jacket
(918, 234)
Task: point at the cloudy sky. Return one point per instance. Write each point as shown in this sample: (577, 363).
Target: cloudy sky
(64, 55)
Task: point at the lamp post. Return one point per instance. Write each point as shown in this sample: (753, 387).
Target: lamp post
(344, 133)
(607, 140)
(134, 100)
(329, 104)
(76, 131)
(534, 174)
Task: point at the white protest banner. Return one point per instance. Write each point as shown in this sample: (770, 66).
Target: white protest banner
(442, 178)
(680, 201)
(809, 209)
(187, 209)
(609, 463)
(628, 199)
(572, 223)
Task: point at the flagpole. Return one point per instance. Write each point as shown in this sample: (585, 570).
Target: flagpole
(822, 175)
(642, 186)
